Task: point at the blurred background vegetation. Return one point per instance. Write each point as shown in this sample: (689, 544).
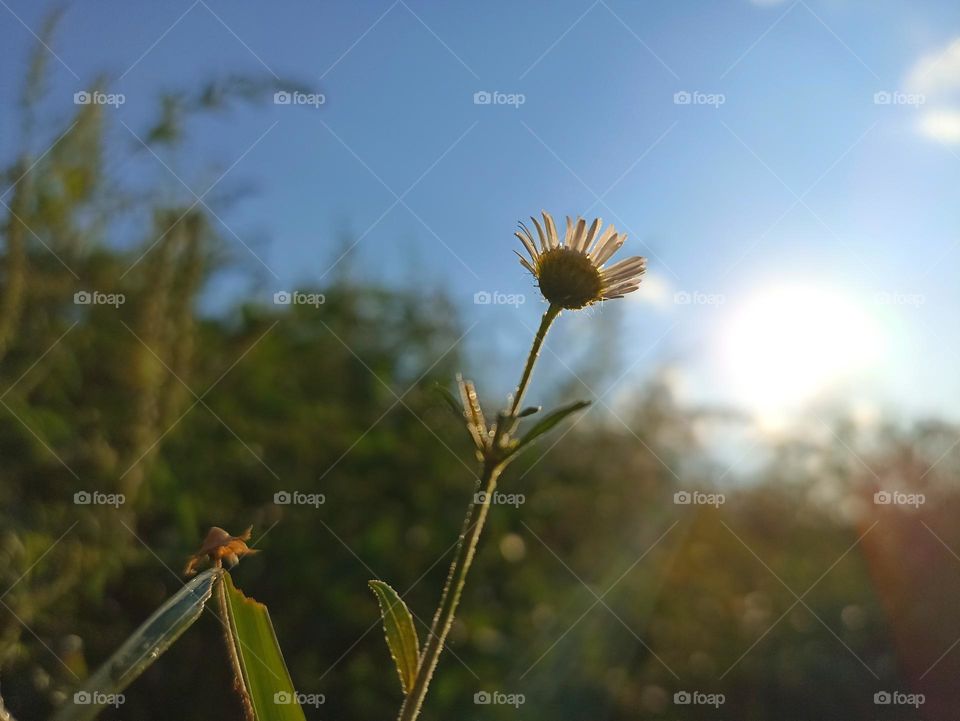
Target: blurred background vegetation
(598, 598)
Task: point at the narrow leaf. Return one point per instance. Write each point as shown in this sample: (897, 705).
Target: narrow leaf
(400, 631)
(528, 411)
(141, 649)
(549, 421)
(267, 690)
(450, 400)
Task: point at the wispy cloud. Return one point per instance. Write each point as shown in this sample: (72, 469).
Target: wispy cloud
(655, 290)
(936, 76)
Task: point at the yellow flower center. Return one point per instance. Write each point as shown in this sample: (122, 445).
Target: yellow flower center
(568, 278)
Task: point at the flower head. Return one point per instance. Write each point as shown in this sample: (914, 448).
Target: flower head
(572, 274)
(219, 546)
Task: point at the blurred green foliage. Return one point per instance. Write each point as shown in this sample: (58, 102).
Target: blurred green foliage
(598, 598)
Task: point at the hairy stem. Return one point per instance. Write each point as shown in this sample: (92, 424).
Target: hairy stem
(450, 598)
(493, 466)
(548, 317)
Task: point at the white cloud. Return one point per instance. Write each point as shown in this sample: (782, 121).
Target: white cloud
(936, 77)
(942, 125)
(938, 72)
(654, 289)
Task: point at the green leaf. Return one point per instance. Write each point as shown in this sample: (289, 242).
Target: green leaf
(549, 421)
(141, 649)
(450, 400)
(266, 687)
(528, 411)
(400, 631)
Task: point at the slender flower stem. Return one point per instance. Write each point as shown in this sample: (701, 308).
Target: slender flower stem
(548, 317)
(450, 598)
(493, 466)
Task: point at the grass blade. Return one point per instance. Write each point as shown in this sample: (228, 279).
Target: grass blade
(263, 679)
(141, 649)
(549, 421)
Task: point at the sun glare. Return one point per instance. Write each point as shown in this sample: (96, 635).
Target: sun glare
(785, 346)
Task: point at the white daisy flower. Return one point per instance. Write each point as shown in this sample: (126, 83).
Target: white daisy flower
(573, 274)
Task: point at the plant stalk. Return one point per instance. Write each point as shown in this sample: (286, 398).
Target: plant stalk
(493, 466)
(453, 588)
(548, 317)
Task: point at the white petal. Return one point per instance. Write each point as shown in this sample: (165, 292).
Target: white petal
(618, 292)
(579, 234)
(591, 234)
(551, 229)
(568, 238)
(543, 236)
(525, 263)
(607, 238)
(625, 276)
(634, 263)
(528, 244)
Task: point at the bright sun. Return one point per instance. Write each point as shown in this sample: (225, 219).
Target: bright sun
(786, 345)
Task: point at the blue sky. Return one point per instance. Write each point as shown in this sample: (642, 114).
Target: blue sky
(785, 169)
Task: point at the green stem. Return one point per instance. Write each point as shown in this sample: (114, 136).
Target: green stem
(548, 317)
(493, 466)
(450, 598)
